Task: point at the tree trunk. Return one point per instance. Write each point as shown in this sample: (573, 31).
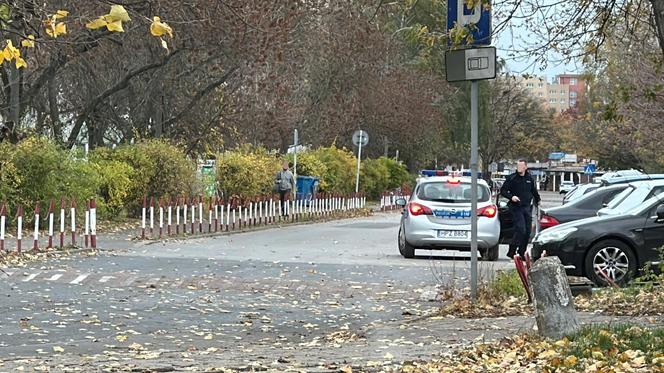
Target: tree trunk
(552, 298)
(658, 13)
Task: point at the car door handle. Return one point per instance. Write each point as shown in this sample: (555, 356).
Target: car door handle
(638, 230)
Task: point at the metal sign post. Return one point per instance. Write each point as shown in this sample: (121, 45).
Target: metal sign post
(471, 64)
(360, 139)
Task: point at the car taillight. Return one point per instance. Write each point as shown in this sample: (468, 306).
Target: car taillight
(547, 221)
(488, 211)
(416, 209)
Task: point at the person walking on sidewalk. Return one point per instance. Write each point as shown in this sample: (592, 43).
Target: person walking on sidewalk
(520, 190)
(285, 183)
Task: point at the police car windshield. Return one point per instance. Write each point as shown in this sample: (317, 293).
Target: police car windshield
(450, 192)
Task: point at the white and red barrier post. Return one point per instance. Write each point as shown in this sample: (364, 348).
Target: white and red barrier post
(170, 215)
(62, 222)
(51, 219)
(161, 217)
(151, 217)
(177, 216)
(86, 231)
(19, 231)
(210, 214)
(144, 217)
(72, 218)
(200, 214)
(185, 214)
(221, 216)
(228, 216)
(35, 241)
(3, 222)
(193, 215)
(93, 223)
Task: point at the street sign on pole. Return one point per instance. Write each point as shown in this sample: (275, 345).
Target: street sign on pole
(360, 139)
(470, 64)
(590, 169)
(476, 22)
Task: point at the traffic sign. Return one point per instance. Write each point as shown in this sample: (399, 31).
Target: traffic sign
(476, 21)
(360, 137)
(470, 64)
(590, 169)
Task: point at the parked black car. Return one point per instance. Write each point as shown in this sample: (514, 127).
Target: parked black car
(618, 246)
(580, 208)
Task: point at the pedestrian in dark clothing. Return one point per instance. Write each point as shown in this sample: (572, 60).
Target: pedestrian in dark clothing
(284, 183)
(520, 190)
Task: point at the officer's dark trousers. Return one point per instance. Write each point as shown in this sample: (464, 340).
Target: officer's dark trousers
(522, 216)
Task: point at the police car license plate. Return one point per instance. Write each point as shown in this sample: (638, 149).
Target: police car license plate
(452, 234)
(452, 214)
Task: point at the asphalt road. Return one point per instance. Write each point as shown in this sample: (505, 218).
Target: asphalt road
(285, 294)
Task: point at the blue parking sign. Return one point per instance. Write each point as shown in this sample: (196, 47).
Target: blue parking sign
(477, 20)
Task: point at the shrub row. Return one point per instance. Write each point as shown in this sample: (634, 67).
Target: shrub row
(39, 170)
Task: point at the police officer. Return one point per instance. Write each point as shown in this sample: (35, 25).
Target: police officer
(520, 190)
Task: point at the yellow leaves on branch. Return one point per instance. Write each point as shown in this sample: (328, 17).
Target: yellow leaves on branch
(29, 42)
(112, 21)
(55, 28)
(12, 53)
(160, 29)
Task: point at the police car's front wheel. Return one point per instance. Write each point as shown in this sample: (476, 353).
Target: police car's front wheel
(405, 248)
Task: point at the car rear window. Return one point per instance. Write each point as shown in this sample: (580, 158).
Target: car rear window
(451, 192)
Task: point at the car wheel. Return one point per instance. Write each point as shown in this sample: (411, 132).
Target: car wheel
(405, 248)
(490, 254)
(614, 259)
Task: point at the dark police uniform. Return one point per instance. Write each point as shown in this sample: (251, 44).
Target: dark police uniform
(522, 212)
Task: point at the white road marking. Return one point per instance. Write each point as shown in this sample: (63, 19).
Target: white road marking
(80, 278)
(55, 277)
(106, 278)
(31, 277)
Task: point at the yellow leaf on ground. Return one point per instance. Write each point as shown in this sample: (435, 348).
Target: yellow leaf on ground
(570, 361)
(598, 355)
(60, 14)
(121, 338)
(58, 349)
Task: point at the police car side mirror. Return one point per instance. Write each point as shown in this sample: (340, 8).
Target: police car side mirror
(401, 202)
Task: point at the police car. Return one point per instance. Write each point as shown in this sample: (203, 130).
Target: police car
(437, 216)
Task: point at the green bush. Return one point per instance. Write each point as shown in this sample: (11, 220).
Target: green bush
(159, 169)
(341, 167)
(375, 177)
(247, 171)
(308, 164)
(381, 174)
(116, 187)
(38, 170)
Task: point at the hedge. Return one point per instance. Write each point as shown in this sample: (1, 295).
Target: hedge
(36, 169)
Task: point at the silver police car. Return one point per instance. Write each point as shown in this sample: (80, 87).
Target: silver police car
(437, 216)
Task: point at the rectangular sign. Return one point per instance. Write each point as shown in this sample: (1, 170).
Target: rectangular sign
(477, 20)
(470, 64)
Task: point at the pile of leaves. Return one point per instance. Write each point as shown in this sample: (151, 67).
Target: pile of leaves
(631, 301)
(621, 348)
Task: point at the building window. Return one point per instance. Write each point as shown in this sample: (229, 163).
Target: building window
(562, 100)
(551, 92)
(572, 81)
(572, 102)
(541, 85)
(572, 94)
(562, 91)
(552, 100)
(540, 94)
(530, 85)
